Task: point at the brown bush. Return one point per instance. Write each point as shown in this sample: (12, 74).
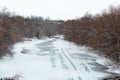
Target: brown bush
(101, 32)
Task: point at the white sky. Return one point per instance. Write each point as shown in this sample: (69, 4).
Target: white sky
(57, 9)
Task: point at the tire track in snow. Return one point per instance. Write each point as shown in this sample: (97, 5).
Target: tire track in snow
(86, 68)
(73, 65)
(69, 60)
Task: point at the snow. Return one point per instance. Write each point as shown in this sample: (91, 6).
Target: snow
(53, 59)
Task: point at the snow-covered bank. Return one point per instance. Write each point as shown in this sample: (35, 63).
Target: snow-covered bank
(53, 59)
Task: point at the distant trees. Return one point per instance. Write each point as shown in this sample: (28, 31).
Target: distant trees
(14, 27)
(101, 32)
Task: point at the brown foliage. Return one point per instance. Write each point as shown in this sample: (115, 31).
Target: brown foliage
(101, 32)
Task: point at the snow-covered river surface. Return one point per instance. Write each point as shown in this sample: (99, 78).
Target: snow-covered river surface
(53, 59)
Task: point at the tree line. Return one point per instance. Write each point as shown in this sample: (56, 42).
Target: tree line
(14, 28)
(101, 32)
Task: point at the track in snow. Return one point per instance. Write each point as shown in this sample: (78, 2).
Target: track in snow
(72, 64)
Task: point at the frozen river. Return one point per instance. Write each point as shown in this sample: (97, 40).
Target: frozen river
(53, 59)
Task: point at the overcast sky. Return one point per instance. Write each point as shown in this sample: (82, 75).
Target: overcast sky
(57, 9)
